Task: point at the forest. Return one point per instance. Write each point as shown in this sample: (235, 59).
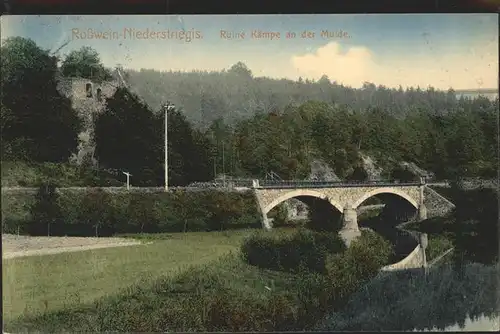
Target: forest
(234, 123)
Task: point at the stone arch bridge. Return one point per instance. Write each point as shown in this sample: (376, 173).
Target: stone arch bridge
(345, 197)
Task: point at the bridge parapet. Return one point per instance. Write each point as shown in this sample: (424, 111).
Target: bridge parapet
(293, 184)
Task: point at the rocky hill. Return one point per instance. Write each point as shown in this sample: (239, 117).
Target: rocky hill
(320, 171)
(370, 165)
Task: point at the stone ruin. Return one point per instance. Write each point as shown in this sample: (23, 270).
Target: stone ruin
(88, 98)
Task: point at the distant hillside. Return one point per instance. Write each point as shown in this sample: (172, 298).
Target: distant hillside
(477, 91)
(235, 94)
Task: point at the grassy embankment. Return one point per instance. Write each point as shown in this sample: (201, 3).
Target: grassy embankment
(35, 285)
(225, 294)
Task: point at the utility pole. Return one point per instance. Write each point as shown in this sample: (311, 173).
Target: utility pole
(128, 179)
(166, 107)
(215, 158)
(223, 165)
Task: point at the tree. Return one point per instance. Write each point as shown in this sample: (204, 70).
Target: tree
(189, 150)
(333, 134)
(402, 174)
(129, 137)
(360, 129)
(85, 63)
(240, 69)
(222, 149)
(141, 213)
(38, 123)
(96, 211)
(202, 166)
(358, 174)
(188, 217)
(413, 125)
(324, 80)
(464, 143)
(45, 212)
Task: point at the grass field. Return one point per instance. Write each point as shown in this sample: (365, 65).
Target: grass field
(208, 287)
(34, 285)
(172, 301)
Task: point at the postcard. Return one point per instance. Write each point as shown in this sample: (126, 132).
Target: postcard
(228, 173)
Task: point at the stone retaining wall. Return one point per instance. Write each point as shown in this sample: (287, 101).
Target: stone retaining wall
(436, 204)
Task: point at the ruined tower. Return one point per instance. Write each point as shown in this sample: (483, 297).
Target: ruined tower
(88, 98)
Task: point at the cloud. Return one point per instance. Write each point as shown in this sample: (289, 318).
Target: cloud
(476, 68)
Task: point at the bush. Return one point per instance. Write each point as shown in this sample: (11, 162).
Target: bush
(304, 250)
(279, 215)
(23, 174)
(345, 273)
(236, 312)
(313, 295)
(437, 245)
(16, 215)
(121, 211)
(360, 262)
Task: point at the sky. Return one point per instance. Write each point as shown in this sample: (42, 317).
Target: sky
(458, 51)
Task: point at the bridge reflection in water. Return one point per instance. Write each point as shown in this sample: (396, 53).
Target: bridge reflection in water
(386, 223)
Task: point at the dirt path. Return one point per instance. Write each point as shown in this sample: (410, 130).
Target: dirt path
(18, 246)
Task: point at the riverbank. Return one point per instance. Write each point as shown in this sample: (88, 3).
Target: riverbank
(14, 246)
(33, 285)
(480, 324)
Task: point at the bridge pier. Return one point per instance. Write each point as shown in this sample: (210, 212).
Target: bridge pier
(422, 212)
(350, 229)
(266, 224)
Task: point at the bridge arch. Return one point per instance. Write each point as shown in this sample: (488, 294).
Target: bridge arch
(300, 193)
(378, 191)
